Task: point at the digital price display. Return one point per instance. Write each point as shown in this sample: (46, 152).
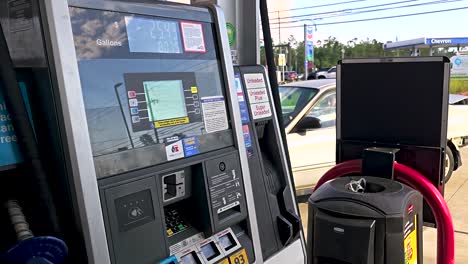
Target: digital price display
(165, 99)
(153, 35)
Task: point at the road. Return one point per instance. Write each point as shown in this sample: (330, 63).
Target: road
(456, 194)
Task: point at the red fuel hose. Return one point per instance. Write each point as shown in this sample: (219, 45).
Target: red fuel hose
(435, 200)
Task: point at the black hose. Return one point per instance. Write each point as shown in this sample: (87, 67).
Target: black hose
(25, 137)
(270, 59)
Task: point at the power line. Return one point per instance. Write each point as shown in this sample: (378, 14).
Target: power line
(310, 7)
(381, 18)
(375, 10)
(346, 10)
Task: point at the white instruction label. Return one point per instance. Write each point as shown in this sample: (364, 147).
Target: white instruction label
(258, 95)
(254, 80)
(214, 113)
(175, 150)
(186, 243)
(192, 34)
(261, 110)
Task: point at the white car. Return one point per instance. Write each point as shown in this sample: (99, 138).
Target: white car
(329, 74)
(309, 113)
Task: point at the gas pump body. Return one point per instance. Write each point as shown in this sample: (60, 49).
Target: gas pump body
(138, 120)
(277, 212)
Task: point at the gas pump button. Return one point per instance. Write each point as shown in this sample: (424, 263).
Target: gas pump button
(222, 166)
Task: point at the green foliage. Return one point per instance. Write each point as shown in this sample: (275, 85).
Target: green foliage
(327, 53)
(458, 86)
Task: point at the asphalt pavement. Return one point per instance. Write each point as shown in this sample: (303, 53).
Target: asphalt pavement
(456, 194)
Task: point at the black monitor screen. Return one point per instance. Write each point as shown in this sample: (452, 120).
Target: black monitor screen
(394, 102)
(152, 87)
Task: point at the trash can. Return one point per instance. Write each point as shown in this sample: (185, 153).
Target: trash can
(365, 220)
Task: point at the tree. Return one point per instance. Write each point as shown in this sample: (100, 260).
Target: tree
(328, 54)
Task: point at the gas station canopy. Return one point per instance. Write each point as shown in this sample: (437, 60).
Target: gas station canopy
(427, 43)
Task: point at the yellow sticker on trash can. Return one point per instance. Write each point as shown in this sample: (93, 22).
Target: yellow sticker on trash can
(240, 257)
(411, 242)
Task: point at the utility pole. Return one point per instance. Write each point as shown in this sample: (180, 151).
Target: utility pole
(306, 62)
(279, 28)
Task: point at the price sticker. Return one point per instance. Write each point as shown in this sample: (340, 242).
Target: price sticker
(240, 257)
(224, 261)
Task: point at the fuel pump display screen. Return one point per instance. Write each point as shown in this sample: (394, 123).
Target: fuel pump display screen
(153, 35)
(165, 100)
(159, 100)
(152, 86)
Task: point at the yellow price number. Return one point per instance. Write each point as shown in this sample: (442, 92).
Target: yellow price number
(240, 257)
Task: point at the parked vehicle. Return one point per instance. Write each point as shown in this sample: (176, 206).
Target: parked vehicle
(312, 141)
(458, 99)
(312, 76)
(290, 76)
(328, 74)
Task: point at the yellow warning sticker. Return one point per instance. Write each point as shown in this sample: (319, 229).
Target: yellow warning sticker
(240, 257)
(411, 242)
(194, 89)
(224, 261)
(171, 122)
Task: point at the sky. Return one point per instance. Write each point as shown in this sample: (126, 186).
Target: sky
(444, 24)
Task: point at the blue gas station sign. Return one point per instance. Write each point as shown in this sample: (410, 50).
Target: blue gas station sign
(447, 41)
(310, 52)
(309, 44)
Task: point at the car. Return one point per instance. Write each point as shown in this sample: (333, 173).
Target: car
(289, 76)
(312, 144)
(458, 99)
(312, 76)
(328, 74)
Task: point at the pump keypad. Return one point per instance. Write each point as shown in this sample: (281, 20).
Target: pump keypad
(175, 222)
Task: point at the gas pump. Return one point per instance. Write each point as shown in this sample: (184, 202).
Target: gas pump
(138, 118)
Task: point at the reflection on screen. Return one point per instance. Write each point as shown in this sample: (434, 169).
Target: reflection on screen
(188, 259)
(165, 99)
(208, 251)
(153, 35)
(226, 241)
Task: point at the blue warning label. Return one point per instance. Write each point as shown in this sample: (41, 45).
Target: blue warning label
(191, 146)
